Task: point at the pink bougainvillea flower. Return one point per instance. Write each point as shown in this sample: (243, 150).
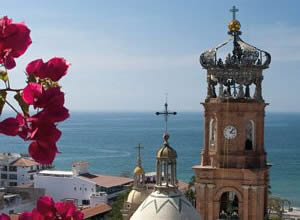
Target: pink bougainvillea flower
(8, 61)
(4, 217)
(53, 114)
(31, 93)
(51, 97)
(14, 41)
(27, 216)
(23, 129)
(57, 67)
(14, 126)
(9, 126)
(37, 216)
(43, 153)
(37, 68)
(78, 215)
(65, 209)
(54, 69)
(45, 133)
(45, 206)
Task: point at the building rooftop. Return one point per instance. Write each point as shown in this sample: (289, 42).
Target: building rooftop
(107, 181)
(24, 162)
(56, 173)
(96, 210)
(23, 186)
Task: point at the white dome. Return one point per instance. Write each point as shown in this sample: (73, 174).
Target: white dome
(136, 197)
(166, 206)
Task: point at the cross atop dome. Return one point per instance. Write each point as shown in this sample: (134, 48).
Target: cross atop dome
(234, 10)
(234, 25)
(166, 113)
(139, 160)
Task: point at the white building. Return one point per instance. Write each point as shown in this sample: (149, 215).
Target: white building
(79, 185)
(16, 169)
(19, 199)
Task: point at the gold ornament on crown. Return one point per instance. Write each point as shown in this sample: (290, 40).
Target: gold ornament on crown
(234, 26)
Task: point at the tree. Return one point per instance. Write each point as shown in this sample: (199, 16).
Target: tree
(275, 207)
(190, 194)
(117, 205)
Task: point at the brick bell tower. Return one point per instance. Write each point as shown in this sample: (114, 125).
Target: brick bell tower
(232, 179)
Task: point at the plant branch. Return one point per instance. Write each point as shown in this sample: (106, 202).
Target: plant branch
(11, 90)
(10, 105)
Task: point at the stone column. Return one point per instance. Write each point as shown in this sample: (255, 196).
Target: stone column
(254, 203)
(258, 89)
(210, 201)
(245, 202)
(205, 159)
(209, 92)
(158, 173)
(221, 93)
(261, 202)
(201, 200)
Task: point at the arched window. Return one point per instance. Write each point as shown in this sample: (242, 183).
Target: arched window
(229, 206)
(249, 142)
(212, 133)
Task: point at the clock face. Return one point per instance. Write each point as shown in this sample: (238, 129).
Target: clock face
(230, 132)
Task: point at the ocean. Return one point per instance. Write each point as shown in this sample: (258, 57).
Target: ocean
(108, 142)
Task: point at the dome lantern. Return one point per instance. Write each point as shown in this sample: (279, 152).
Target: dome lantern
(166, 166)
(138, 172)
(166, 202)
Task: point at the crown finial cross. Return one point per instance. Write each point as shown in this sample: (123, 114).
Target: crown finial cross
(234, 10)
(139, 160)
(166, 115)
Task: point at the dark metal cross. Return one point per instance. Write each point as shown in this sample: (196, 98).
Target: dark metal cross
(234, 10)
(166, 114)
(139, 161)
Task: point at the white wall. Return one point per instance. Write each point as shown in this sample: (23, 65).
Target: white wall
(21, 207)
(64, 187)
(23, 175)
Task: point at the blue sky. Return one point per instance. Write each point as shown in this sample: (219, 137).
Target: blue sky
(126, 55)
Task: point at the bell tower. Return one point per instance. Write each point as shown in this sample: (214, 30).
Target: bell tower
(232, 179)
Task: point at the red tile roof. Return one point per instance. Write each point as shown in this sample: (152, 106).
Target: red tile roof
(182, 186)
(14, 216)
(107, 181)
(24, 162)
(100, 208)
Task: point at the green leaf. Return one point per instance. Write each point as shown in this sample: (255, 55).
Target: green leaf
(31, 78)
(3, 76)
(22, 104)
(2, 100)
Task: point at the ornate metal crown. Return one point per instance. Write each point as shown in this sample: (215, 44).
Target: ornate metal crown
(242, 67)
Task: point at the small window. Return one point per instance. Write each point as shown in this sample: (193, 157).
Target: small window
(12, 184)
(13, 176)
(249, 142)
(212, 133)
(75, 188)
(85, 202)
(12, 169)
